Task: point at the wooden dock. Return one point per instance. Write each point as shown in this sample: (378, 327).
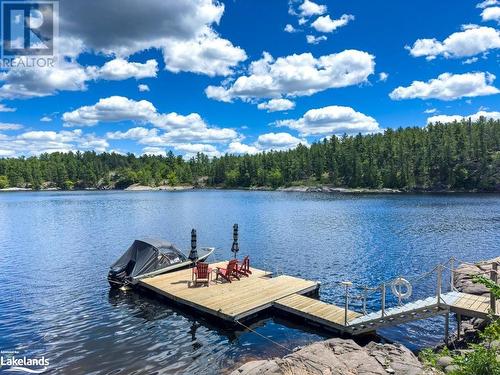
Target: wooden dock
(228, 301)
(243, 298)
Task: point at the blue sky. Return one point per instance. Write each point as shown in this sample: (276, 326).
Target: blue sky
(249, 75)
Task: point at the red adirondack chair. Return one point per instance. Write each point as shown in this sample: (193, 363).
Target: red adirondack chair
(229, 272)
(201, 274)
(244, 267)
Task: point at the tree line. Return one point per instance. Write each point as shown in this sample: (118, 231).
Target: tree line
(455, 156)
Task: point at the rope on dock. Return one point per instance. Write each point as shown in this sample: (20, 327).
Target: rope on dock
(265, 337)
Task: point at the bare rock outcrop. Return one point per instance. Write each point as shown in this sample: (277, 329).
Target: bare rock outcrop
(339, 357)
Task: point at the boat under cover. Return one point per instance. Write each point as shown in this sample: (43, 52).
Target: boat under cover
(150, 257)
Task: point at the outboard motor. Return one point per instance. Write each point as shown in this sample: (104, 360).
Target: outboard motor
(118, 276)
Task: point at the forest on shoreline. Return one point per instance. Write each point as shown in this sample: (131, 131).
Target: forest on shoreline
(458, 156)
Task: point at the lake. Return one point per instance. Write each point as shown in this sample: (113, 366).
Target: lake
(56, 248)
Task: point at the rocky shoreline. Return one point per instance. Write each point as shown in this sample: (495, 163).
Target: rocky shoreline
(345, 357)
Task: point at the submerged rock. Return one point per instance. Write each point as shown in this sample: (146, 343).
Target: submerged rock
(339, 357)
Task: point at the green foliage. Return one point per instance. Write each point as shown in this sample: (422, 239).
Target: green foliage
(492, 286)
(479, 359)
(68, 185)
(172, 179)
(456, 156)
(4, 182)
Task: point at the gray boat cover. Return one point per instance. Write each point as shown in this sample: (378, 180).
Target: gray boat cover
(148, 255)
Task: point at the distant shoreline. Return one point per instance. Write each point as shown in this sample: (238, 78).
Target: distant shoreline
(291, 189)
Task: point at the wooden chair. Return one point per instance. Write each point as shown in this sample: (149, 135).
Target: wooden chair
(229, 272)
(244, 267)
(201, 274)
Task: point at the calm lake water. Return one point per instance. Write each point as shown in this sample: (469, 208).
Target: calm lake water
(55, 250)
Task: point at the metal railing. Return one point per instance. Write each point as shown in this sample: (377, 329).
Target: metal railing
(438, 270)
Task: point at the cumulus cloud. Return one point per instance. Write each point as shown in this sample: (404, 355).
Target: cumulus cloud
(332, 120)
(325, 24)
(430, 110)
(448, 86)
(10, 126)
(487, 3)
(471, 41)
(491, 14)
(382, 76)
(278, 141)
(4, 108)
(121, 69)
(168, 129)
(46, 119)
(239, 148)
(37, 142)
(154, 151)
(290, 29)
(24, 83)
(275, 105)
(309, 8)
(142, 87)
(112, 109)
(473, 117)
(208, 54)
(311, 39)
(296, 75)
(181, 29)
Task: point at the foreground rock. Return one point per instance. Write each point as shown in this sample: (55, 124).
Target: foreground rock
(466, 272)
(340, 357)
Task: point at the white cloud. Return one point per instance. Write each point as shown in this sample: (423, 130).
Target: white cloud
(37, 142)
(275, 105)
(142, 87)
(448, 86)
(208, 54)
(473, 117)
(469, 42)
(4, 108)
(136, 133)
(325, 24)
(278, 141)
(24, 83)
(9, 126)
(177, 128)
(290, 29)
(154, 151)
(491, 14)
(240, 148)
(112, 109)
(309, 8)
(332, 120)
(182, 29)
(296, 75)
(120, 69)
(430, 110)
(382, 76)
(469, 61)
(46, 119)
(487, 3)
(311, 39)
